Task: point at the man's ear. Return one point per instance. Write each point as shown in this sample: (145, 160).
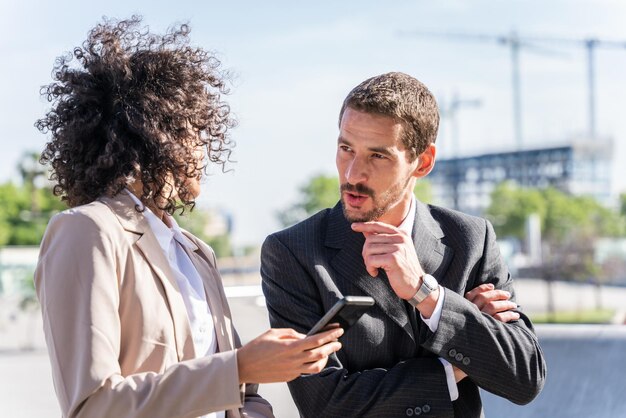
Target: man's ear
(426, 161)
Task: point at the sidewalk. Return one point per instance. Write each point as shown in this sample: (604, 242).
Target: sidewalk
(532, 296)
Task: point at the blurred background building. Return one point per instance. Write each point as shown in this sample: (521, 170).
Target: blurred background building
(582, 167)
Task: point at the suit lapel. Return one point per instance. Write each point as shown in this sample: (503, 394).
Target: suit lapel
(349, 264)
(211, 279)
(131, 220)
(433, 254)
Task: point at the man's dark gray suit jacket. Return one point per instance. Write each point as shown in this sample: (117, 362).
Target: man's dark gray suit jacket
(388, 365)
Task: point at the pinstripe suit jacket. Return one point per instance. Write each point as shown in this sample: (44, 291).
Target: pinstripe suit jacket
(389, 365)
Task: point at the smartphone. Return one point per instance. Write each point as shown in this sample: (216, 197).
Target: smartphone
(343, 314)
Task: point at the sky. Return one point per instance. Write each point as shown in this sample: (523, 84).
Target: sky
(292, 63)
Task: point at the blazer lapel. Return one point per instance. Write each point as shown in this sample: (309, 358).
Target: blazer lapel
(349, 264)
(211, 279)
(124, 207)
(433, 254)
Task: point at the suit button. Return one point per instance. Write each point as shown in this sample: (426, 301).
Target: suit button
(466, 361)
(426, 408)
(452, 352)
(409, 412)
(418, 410)
(458, 357)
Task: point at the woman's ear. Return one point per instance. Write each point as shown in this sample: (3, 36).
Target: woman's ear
(426, 161)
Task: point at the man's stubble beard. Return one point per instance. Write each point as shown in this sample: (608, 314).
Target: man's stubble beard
(381, 204)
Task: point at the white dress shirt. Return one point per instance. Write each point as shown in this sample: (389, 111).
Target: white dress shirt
(173, 242)
(433, 321)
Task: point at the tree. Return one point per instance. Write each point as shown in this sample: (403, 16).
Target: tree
(26, 209)
(511, 206)
(322, 191)
(559, 212)
(196, 221)
(570, 228)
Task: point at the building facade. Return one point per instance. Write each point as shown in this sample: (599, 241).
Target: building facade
(579, 168)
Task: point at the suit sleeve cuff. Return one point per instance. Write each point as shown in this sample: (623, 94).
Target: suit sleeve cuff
(433, 321)
(452, 388)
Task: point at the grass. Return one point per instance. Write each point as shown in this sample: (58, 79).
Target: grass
(591, 316)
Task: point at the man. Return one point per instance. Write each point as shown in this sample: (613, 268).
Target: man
(445, 321)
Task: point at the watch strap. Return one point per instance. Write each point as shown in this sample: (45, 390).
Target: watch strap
(429, 284)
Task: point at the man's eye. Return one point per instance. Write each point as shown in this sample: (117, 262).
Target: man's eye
(378, 156)
(345, 148)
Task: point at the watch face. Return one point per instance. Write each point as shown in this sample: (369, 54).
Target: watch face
(430, 281)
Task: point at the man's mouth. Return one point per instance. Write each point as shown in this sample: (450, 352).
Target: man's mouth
(354, 199)
(355, 194)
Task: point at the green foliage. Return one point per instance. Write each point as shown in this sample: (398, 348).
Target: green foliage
(221, 245)
(511, 206)
(570, 226)
(560, 213)
(423, 191)
(596, 316)
(26, 209)
(318, 193)
(196, 222)
(24, 213)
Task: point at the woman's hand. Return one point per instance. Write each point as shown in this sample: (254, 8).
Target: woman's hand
(281, 355)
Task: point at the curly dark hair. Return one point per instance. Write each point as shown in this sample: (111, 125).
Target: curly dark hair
(129, 104)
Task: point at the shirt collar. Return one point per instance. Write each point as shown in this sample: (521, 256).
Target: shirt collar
(409, 220)
(162, 232)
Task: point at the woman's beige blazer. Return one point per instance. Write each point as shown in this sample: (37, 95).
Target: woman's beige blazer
(116, 325)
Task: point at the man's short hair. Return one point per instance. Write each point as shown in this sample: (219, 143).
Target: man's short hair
(403, 98)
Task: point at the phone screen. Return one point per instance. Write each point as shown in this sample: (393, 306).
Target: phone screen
(345, 313)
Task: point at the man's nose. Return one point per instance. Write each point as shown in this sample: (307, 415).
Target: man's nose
(356, 172)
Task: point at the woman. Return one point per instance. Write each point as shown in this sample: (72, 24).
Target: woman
(135, 316)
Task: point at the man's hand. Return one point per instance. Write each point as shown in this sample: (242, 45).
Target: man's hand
(281, 355)
(458, 374)
(392, 250)
(494, 302)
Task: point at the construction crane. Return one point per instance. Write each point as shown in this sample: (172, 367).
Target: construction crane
(515, 43)
(449, 111)
(590, 45)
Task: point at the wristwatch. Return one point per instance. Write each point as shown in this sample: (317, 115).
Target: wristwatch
(429, 285)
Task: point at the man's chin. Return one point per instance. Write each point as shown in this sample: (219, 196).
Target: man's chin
(353, 219)
(356, 216)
